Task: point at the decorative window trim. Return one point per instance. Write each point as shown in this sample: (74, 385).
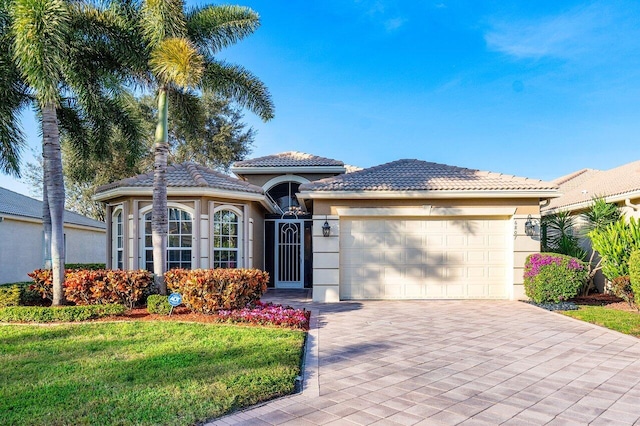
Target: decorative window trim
(282, 179)
(142, 247)
(115, 233)
(239, 236)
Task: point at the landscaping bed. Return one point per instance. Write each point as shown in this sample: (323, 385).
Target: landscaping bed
(148, 371)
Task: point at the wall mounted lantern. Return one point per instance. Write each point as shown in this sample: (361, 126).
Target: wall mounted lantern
(530, 227)
(326, 228)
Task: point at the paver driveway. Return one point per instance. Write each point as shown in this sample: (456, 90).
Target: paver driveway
(459, 362)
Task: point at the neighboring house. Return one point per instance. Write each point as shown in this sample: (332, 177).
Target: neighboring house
(620, 185)
(408, 229)
(22, 237)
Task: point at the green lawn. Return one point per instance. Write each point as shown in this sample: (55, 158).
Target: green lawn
(140, 372)
(622, 321)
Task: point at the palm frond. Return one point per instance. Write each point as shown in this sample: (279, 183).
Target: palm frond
(40, 29)
(161, 19)
(240, 85)
(177, 61)
(187, 114)
(215, 27)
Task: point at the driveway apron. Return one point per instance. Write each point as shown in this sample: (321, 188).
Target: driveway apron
(457, 362)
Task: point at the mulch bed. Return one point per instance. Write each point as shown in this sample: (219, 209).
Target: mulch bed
(608, 300)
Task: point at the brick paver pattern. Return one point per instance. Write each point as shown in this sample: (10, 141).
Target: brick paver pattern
(460, 362)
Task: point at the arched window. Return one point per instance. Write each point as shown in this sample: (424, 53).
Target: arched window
(118, 240)
(179, 240)
(226, 239)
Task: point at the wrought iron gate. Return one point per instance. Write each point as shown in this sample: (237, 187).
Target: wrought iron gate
(289, 254)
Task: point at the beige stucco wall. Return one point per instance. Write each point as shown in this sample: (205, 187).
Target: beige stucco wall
(21, 248)
(203, 209)
(326, 257)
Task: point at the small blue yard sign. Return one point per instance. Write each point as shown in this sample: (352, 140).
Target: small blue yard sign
(175, 299)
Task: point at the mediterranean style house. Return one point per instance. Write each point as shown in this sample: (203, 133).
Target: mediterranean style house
(408, 229)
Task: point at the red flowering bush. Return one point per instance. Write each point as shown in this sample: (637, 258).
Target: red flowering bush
(96, 287)
(268, 314)
(209, 290)
(550, 277)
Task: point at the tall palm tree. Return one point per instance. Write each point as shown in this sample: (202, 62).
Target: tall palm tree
(180, 52)
(53, 58)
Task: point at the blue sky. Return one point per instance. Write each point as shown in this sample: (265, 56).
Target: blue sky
(536, 89)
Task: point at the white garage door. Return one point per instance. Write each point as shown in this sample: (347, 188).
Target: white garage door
(391, 258)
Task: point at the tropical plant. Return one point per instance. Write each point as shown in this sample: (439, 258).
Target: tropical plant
(553, 277)
(558, 235)
(634, 275)
(176, 59)
(614, 243)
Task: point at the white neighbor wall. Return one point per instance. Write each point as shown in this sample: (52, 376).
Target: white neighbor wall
(21, 247)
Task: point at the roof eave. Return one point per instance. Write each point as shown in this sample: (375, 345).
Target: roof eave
(254, 170)
(184, 191)
(586, 203)
(441, 194)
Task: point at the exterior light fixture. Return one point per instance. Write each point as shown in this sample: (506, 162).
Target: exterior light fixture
(326, 228)
(530, 227)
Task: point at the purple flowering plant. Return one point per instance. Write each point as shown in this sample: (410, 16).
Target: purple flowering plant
(267, 314)
(552, 277)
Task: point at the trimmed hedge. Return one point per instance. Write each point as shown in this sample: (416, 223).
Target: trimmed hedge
(96, 287)
(553, 277)
(25, 296)
(89, 266)
(158, 304)
(10, 295)
(58, 314)
(209, 290)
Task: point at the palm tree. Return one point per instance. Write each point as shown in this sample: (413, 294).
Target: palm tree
(55, 57)
(180, 48)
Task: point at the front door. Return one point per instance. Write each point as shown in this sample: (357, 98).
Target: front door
(289, 254)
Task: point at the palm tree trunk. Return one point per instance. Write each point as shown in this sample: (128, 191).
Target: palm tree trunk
(46, 217)
(159, 221)
(55, 196)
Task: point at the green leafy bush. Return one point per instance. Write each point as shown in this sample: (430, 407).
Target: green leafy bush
(621, 287)
(10, 295)
(553, 277)
(91, 287)
(26, 296)
(58, 314)
(614, 243)
(158, 304)
(209, 290)
(89, 266)
(634, 274)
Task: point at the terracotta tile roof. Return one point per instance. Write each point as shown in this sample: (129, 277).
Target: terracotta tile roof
(12, 203)
(289, 159)
(582, 186)
(417, 175)
(187, 175)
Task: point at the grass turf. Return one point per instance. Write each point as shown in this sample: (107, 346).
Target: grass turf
(622, 321)
(140, 372)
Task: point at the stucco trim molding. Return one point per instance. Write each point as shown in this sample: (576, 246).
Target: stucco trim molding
(372, 195)
(427, 210)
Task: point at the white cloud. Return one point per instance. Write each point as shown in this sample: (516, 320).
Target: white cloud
(394, 23)
(566, 35)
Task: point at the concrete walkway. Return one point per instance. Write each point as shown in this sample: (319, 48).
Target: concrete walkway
(457, 362)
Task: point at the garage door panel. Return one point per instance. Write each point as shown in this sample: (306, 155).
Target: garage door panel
(417, 258)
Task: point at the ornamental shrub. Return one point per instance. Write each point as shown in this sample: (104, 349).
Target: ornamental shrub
(209, 290)
(614, 243)
(634, 274)
(158, 304)
(10, 295)
(553, 277)
(621, 287)
(96, 287)
(61, 314)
